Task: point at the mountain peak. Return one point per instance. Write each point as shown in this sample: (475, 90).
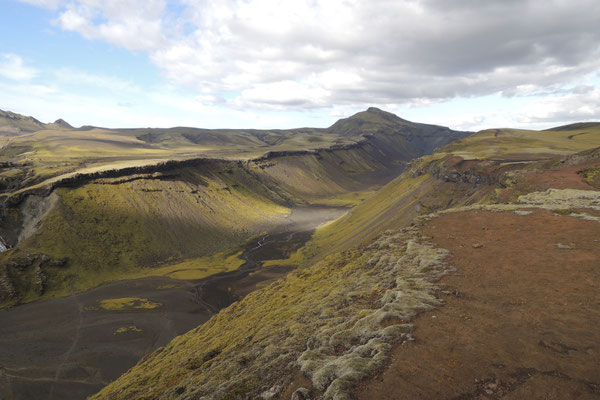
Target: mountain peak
(373, 119)
(62, 123)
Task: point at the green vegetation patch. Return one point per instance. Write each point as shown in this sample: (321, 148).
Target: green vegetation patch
(591, 175)
(522, 143)
(196, 268)
(125, 329)
(128, 303)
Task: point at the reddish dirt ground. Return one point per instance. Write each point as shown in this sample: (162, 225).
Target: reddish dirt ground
(523, 322)
(562, 178)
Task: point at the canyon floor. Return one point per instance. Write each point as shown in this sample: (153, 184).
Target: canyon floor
(71, 347)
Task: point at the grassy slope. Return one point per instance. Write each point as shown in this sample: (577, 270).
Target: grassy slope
(519, 143)
(109, 231)
(256, 341)
(51, 152)
(13, 124)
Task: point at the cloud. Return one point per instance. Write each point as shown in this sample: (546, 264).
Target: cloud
(131, 24)
(305, 54)
(582, 103)
(13, 67)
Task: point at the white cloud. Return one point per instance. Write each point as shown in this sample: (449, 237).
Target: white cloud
(13, 67)
(132, 24)
(578, 105)
(374, 52)
(345, 54)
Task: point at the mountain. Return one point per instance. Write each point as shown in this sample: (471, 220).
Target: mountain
(12, 124)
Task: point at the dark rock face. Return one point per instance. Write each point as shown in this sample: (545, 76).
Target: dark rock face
(7, 288)
(456, 169)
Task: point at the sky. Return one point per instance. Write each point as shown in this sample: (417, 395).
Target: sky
(466, 64)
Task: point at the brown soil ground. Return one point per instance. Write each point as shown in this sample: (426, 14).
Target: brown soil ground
(560, 178)
(523, 318)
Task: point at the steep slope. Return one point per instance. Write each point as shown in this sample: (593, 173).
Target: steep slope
(422, 138)
(327, 326)
(119, 216)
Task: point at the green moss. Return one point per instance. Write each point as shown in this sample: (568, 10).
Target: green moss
(128, 303)
(125, 329)
(185, 228)
(591, 176)
(566, 211)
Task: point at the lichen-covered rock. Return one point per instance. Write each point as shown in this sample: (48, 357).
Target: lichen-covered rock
(39, 280)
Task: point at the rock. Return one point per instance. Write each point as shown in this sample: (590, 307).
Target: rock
(39, 282)
(301, 394)
(564, 246)
(7, 289)
(477, 245)
(523, 212)
(271, 393)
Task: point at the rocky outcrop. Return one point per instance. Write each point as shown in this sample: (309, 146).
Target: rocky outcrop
(456, 169)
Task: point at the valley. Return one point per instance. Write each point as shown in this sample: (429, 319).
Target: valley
(296, 264)
(77, 344)
(108, 259)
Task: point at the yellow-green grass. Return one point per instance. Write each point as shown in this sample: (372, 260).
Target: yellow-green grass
(196, 268)
(506, 143)
(51, 153)
(392, 207)
(592, 176)
(351, 199)
(125, 329)
(188, 228)
(128, 303)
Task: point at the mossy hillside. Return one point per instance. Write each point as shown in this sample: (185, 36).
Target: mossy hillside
(113, 229)
(592, 176)
(335, 320)
(520, 143)
(326, 175)
(52, 152)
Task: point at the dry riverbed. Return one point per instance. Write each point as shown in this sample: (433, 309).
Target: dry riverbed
(70, 348)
